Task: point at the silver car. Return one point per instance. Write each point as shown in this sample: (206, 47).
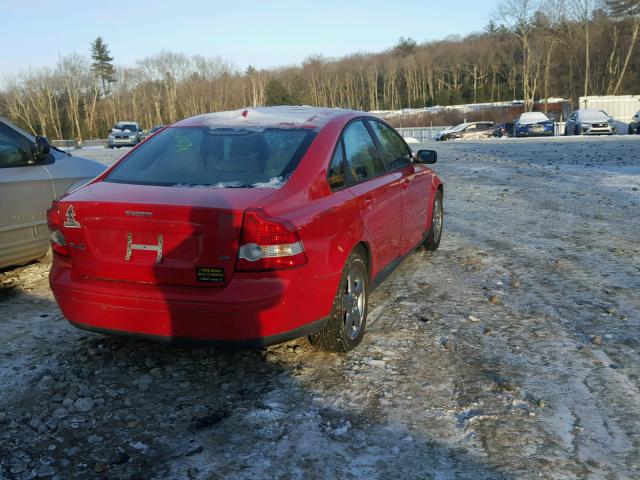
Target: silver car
(125, 134)
(32, 174)
(589, 122)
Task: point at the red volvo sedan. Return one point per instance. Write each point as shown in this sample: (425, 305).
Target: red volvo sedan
(254, 226)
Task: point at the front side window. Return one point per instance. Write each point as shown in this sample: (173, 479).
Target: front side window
(215, 157)
(362, 155)
(15, 150)
(394, 151)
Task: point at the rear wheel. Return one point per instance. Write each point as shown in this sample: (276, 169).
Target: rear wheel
(432, 242)
(346, 324)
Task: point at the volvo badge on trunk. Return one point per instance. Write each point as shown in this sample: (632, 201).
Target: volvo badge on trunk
(135, 213)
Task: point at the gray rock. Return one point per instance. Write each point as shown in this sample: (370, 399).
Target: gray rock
(84, 404)
(60, 412)
(192, 473)
(45, 471)
(94, 439)
(53, 423)
(35, 423)
(495, 300)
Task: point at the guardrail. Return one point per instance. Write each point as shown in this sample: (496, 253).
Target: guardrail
(427, 134)
(71, 144)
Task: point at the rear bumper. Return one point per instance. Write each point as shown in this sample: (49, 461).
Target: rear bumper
(254, 309)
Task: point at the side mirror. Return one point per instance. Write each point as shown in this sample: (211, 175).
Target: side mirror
(42, 148)
(426, 156)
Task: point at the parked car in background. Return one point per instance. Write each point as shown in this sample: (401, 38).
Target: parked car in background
(533, 124)
(253, 226)
(505, 129)
(124, 134)
(472, 130)
(634, 125)
(589, 122)
(32, 174)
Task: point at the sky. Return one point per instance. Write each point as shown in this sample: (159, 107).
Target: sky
(264, 33)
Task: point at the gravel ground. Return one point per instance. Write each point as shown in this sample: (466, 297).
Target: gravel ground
(512, 352)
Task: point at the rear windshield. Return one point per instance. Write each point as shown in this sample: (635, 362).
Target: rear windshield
(215, 157)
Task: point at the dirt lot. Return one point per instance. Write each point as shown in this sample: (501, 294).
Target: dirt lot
(512, 352)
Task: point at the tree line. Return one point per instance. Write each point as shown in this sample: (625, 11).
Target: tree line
(530, 50)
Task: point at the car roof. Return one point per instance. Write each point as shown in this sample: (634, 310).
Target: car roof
(280, 116)
(532, 115)
(590, 111)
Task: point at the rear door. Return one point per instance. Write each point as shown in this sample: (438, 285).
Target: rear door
(376, 190)
(26, 191)
(415, 183)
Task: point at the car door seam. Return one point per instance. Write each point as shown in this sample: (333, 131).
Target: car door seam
(55, 194)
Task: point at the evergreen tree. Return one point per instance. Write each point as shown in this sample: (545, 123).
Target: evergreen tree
(405, 46)
(277, 94)
(102, 66)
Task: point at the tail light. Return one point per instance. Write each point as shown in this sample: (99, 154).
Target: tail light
(266, 244)
(58, 242)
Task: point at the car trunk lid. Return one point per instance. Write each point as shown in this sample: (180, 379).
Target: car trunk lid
(157, 235)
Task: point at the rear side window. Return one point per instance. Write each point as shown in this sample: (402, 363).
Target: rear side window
(215, 157)
(394, 151)
(336, 173)
(362, 155)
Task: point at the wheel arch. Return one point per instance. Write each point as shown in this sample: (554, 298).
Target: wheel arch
(363, 247)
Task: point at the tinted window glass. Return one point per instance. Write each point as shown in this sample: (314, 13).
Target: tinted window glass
(126, 126)
(15, 150)
(219, 157)
(394, 151)
(335, 175)
(361, 152)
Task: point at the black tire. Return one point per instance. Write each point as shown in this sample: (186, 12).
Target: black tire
(432, 242)
(336, 336)
(576, 130)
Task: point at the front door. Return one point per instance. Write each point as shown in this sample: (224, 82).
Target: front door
(415, 184)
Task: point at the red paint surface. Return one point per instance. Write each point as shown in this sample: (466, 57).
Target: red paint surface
(96, 287)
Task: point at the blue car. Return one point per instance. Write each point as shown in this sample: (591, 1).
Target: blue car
(533, 124)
